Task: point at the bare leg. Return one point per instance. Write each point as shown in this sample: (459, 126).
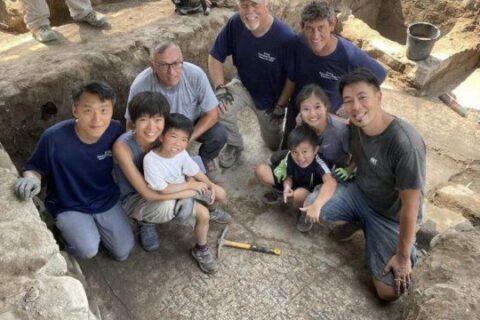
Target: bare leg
(202, 224)
(264, 174)
(384, 291)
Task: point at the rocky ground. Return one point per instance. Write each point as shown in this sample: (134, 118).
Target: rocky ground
(314, 278)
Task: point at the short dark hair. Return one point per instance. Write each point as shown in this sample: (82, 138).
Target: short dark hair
(303, 133)
(148, 103)
(317, 10)
(359, 75)
(99, 88)
(309, 90)
(180, 122)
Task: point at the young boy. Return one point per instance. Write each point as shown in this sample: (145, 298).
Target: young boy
(305, 172)
(165, 169)
(75, 158)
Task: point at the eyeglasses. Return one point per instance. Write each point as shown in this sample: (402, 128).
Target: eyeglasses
(166, 66)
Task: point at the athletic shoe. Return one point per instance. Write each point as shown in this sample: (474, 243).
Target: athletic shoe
(205, 260)
(302, 224)
(44, 34)
(149, 236)
(272, 197)
(219, 215)
(229, 156)
(94, 18)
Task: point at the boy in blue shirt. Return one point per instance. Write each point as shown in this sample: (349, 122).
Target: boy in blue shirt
(75, 158)
(305, 172)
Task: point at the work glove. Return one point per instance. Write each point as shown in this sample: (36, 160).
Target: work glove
(277, 114)
(280, 172)
(224, 96)
(343, 174)
(27, 187)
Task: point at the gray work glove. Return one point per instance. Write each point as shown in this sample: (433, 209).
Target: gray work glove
(277, 114)
(224, 97)
(27, 187)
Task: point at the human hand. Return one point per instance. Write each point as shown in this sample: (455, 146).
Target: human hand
(312, 213)
(200, 187)
(287, 193)
(211, 188)
(225, 98)
(343, 174)
(277, 115)
(401, 267)
(27, 187)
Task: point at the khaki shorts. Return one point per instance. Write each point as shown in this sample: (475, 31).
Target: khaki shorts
(152, 211)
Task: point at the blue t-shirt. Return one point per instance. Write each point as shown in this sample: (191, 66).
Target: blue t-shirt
(260, 62)
(305, 67)
(79, 175)
(308, 177)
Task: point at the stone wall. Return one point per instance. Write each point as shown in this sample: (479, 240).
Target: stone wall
(34, 282)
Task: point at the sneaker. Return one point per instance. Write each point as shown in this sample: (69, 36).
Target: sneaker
(302, 224)
(345, 231)
(44, 34)
(94, 18)
(149, 237)
(272, 197)
(219, 215)
(205, 260)
(210, 165)
(229, 156)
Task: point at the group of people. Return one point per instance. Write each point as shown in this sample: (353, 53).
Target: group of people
(301, 87)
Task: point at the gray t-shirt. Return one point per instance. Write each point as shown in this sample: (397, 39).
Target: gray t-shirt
(388, 163)
(191, 97)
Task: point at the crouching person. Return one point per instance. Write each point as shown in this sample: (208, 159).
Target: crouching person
(75, 158)
(299, 173)
(385, 199)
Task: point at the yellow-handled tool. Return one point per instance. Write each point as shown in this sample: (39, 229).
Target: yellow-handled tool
(241, 245)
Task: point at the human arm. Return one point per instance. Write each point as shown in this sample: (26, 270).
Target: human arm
(215, 71)
(123, 158)
(327, 190)
(400, 264)
(207, 120)
(29, 185)
(287, 189)
(280, 107)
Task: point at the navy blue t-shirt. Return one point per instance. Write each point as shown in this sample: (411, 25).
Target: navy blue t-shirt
(308, 177)
(260, 62)
(305, 67)
(79, 175)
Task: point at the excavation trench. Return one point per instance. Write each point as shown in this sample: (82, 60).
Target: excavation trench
(314, 278)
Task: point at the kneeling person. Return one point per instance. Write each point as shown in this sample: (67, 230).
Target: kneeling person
(166, 168)
(75, 158)
(298, 174)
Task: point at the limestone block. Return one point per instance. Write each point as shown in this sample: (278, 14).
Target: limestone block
(460, 196)
(28, 248)
(43, 297)
(447, 285)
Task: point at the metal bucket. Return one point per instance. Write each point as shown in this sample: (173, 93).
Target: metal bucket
(421, 37)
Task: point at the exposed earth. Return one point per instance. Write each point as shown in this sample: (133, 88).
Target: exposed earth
(314, 277)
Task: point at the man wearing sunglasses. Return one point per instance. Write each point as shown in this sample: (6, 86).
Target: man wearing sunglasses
(188, 92)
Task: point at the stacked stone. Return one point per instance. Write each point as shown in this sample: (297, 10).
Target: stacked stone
(33, 274)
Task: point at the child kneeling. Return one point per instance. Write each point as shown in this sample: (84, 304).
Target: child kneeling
(298, 174)
(166, 168)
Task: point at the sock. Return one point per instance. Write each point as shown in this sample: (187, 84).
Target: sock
(200, 247)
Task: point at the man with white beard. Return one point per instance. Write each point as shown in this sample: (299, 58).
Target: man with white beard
(256, 41)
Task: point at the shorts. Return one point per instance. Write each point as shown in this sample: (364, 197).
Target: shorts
(154, 211)
(381, 233)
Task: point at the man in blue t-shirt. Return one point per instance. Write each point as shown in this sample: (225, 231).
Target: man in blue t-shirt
(321, 57)
(75, 158)
(256, 41)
